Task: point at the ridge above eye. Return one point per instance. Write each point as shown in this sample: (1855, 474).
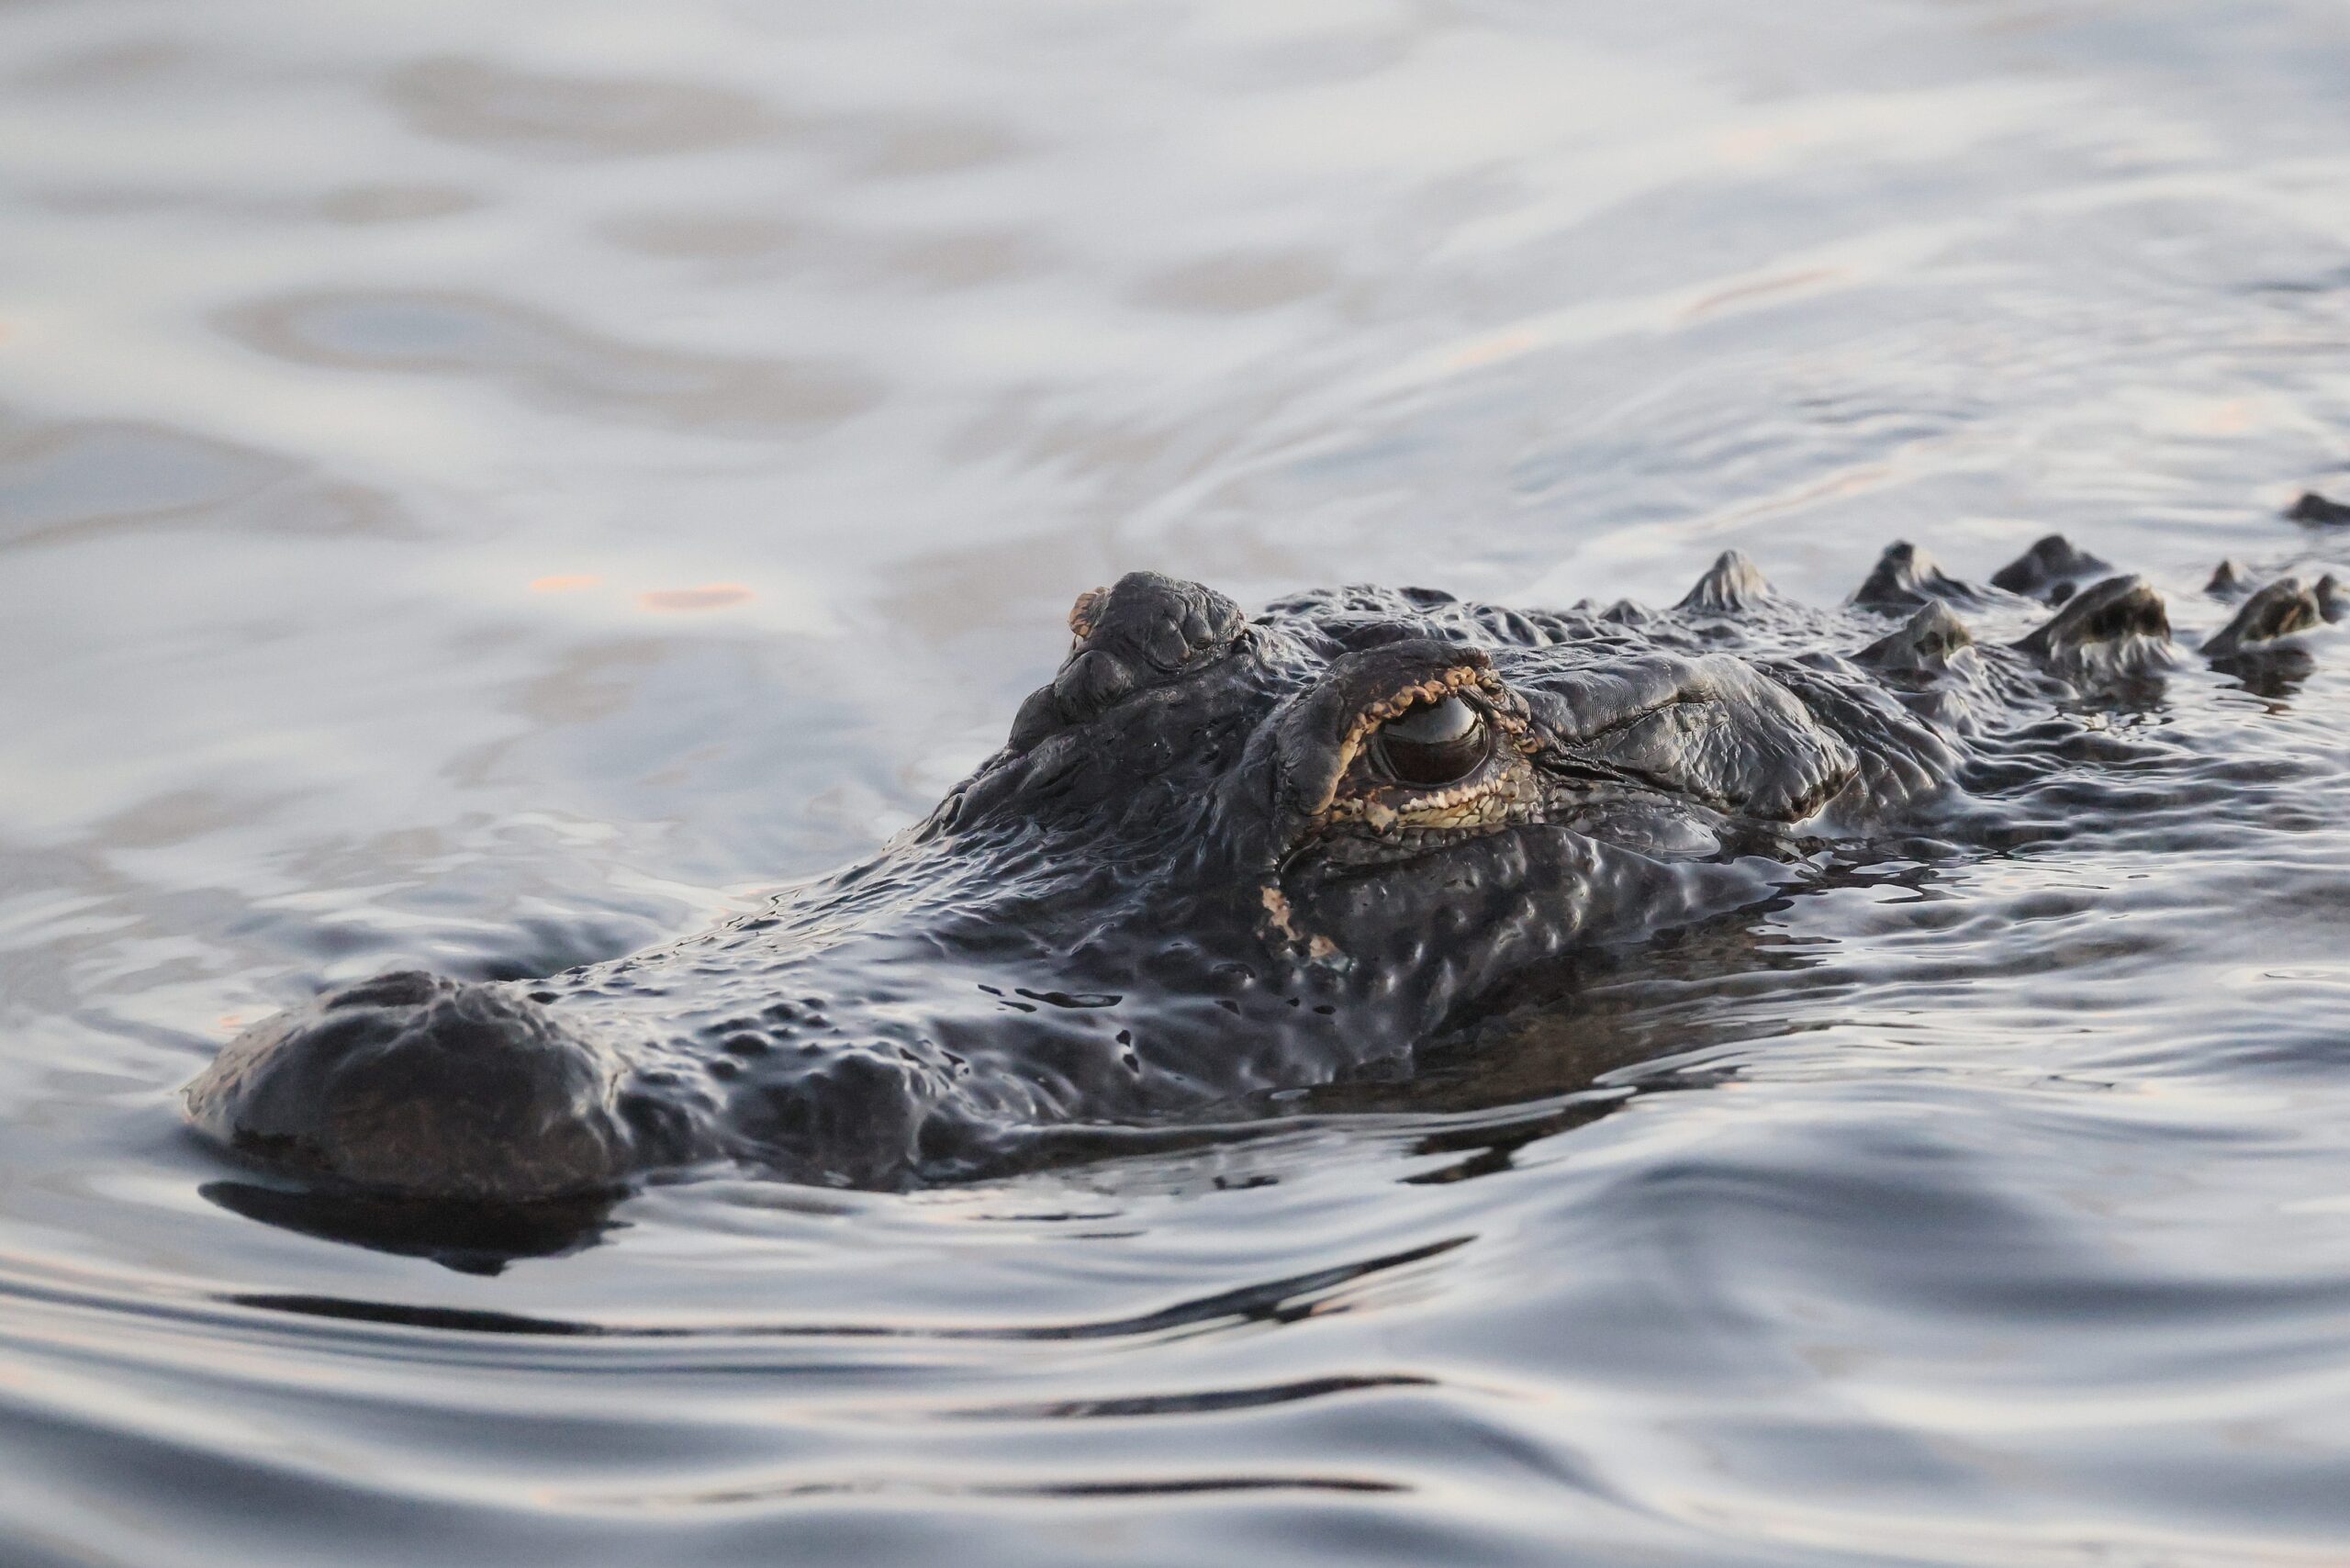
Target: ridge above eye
(1438, 743)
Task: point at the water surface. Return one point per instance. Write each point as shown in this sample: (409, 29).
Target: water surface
(491, 485)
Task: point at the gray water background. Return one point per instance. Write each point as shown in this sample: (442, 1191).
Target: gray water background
(492, 485)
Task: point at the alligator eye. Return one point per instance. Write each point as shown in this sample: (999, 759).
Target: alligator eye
(1440, 744)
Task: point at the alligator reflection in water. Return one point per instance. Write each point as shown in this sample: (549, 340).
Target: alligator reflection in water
(1369, 838)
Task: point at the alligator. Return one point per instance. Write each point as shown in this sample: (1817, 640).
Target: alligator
(1222, 858)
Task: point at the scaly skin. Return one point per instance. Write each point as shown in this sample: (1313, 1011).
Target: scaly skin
(1219, 855)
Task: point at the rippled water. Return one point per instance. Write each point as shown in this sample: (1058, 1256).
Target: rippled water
(490, 485)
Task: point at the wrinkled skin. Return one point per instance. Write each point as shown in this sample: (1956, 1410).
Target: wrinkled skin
(1218, 857)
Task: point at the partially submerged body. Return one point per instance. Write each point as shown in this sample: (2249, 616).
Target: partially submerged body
(1220, 856)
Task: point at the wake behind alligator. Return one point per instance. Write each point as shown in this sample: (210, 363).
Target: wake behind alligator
(1222, 857)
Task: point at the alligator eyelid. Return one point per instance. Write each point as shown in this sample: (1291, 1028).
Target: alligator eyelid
(1679, 699)
(1598, 772)
(1570, 764)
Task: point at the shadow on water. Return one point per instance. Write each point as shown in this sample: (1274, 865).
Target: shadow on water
(2276, 674)
(472, 1238)
(1285, 1300)
(1579, 1039)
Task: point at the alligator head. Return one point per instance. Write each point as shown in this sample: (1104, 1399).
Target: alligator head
(1217, 856)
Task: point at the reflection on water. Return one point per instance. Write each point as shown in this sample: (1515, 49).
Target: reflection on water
(493, 486)
(539, 358)
(489, 105)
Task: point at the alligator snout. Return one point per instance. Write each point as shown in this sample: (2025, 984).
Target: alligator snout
(410, 1082)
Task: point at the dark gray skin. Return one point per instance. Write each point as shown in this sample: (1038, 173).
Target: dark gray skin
(1218, 857)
